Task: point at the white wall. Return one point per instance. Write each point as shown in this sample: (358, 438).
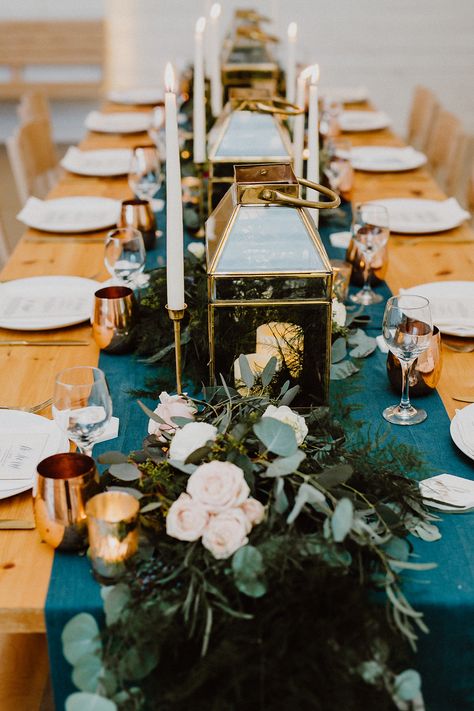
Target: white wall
(387, 45)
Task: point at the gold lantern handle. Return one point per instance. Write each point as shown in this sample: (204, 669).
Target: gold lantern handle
(256, 34)
(270, 106)
(278, 197)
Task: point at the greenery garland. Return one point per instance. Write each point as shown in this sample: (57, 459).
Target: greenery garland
(305, 612)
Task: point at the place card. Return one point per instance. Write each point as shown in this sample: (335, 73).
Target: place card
(448, 493)
(20, 453)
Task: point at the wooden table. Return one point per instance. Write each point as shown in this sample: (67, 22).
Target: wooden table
(27, 377)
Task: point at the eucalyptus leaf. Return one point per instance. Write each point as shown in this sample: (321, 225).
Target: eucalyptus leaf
(365, 346)
(307, 494)
(137, 662)
(251, 587)
(198, 455)
(351, 316)
(338, 350)
(115, 602)
(245, 372)
(150, 507)
(87, 673)
(341, 520)
(269, 371)
(80, 637)
(248, 569)
(185, 468)
(284, 387)
(426, 531)
(397, 548)
(81, 701)
(281, 499)
(276, 436)
(112, 457)
(152, 415)
(290, 395)
(407, 685)
(125, 472)
(334, 476)
(181, 421)
(285, 465)
(343, 370)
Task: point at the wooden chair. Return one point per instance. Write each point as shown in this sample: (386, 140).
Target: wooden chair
(442, 144)
(33, 159)
(423, 112)
(4, 246)
(460, 172)
(33, 105)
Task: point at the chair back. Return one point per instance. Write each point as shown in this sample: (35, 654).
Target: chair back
(442, 145)
(33, 159)
(33, 105)
(423, 112)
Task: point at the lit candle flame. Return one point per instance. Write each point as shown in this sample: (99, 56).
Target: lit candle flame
(169, 77)
(292, 30)
(215, 11)
(200, 25)
(314, 74)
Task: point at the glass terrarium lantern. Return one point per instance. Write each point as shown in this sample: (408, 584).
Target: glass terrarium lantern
(270, 282)
(249, 130)
(247, 60)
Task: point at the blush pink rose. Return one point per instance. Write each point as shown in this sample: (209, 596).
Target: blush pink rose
(254, 511)
(168, 407)
(186, 519)
(225, 533)
(218, 486)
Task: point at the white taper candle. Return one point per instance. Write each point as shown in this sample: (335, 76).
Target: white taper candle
(174, 205)
(199, 106)
(291, 62)
(215, 68)
(312, 171)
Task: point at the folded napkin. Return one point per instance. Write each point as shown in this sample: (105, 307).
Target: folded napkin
(101, 162)
(346, 94)
(73, 214)
(363, 120)
(111, 431)
(381, 345)
(126, 122)
(450, 311)
(429, 215)
(382, 155)
(448, 493)
(340, 239)
(465, 425)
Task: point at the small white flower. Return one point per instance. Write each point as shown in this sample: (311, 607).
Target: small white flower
(338, 313)
(186, 519)
(289, 417)
(170, 406)
(218, 486)
(191, 437)
(198, 249)
(225, 533)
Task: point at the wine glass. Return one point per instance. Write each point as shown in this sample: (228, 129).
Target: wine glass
(125, 254)
(82, 406)
(407, 330)
(157, 124)
(338, 169)
(370, 234)
(144, 177)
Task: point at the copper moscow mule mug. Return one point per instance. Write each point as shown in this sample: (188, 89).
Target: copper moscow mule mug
(138, 214)
(113, 319)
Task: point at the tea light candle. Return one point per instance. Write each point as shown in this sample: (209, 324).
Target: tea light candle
(284, 341)
(215, 63)
(174, 207)
(312, 170)
(199, 107)
(291, 62)
(112, 523)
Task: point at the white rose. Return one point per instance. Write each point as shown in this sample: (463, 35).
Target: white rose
(286, 415)
(186, 519)
(198, 249)
(254, 511)
(338, 313)
(170, 406)
(218, 486)
(225, 533)
(191, 437)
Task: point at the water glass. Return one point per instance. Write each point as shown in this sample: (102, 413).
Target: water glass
(82, 406)
(125, 254)
(145, 177)
(407, 331)
(338, 168)
(370, 233)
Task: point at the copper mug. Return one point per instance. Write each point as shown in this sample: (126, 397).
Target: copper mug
(64, 485)
(114, 318)
(138, 214)
(378, 267)
(425, 371)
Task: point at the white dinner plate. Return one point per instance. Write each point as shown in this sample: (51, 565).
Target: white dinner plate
(381, 159)
(457, 439)
(45, 302)
(105, 163)
(419, 216)
(346, 94)
(70, 215)
(363, 120)
(122, 122)
(144, 96)
(452, 305)
(42, 438)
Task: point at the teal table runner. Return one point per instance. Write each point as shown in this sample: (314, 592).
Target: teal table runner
(446, 594)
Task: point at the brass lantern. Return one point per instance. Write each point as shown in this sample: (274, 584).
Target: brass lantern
(270, 282)
(247, 60)
(249, 130)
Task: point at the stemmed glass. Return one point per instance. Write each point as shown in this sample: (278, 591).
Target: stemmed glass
(157, 123)
(144, 177)
(82, 406)
(370, 233)
(407, 329)
(125, 254)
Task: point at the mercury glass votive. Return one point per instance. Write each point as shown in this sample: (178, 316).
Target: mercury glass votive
(342, 277)
(112, 523)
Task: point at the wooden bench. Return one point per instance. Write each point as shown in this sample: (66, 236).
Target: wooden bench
(59, 45)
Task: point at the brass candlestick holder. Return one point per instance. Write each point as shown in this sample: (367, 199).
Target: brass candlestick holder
(177, 315)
